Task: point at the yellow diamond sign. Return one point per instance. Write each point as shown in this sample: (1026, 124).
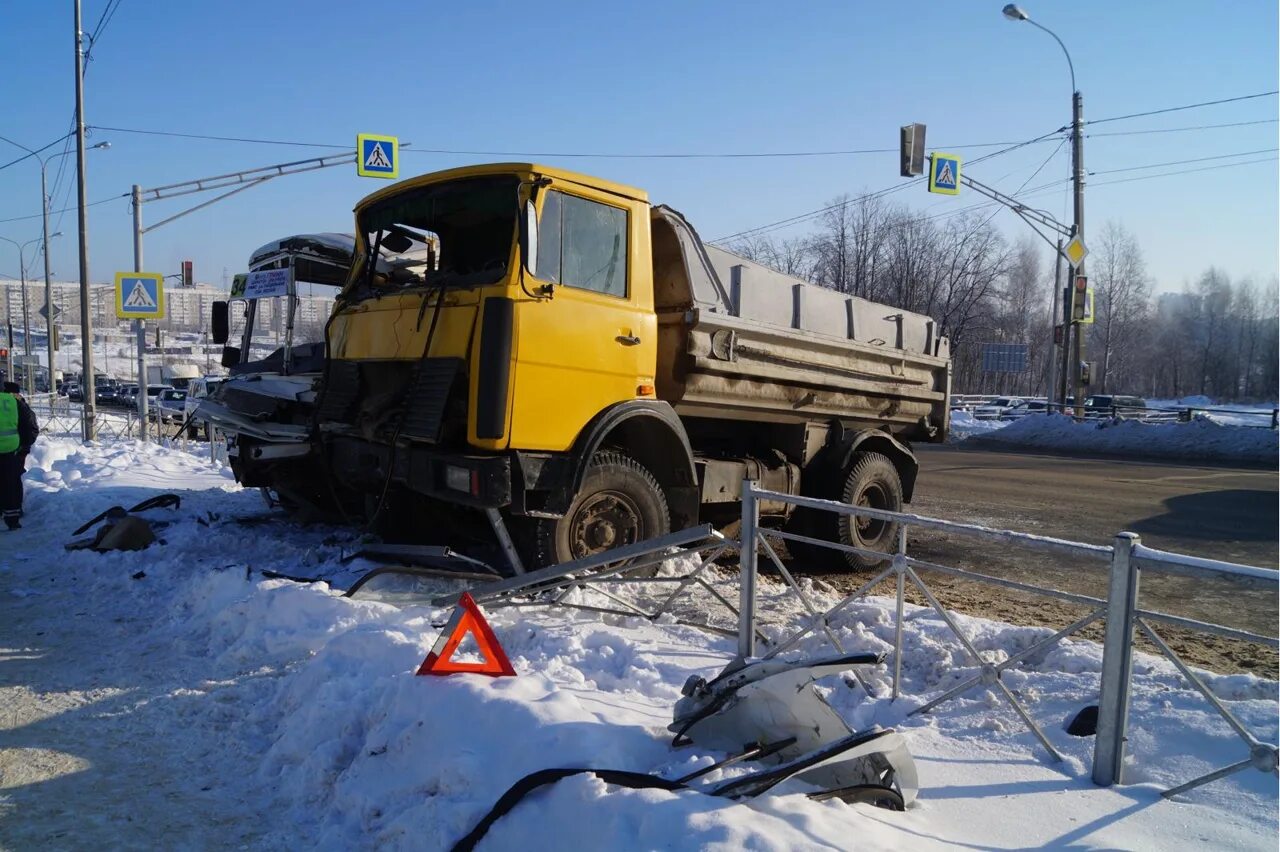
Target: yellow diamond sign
(1075, 251)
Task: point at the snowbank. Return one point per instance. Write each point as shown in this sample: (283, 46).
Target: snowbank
(965, 425)
(291, 716)
(1202, 438)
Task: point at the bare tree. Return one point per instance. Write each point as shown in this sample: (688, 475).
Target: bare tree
(1121, 300)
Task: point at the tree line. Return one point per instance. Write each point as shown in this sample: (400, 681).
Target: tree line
(1216, 337)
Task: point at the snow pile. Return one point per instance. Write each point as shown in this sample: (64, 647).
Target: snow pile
(291, 716)
(964, 425)
(1201, 438)
(1228, 414)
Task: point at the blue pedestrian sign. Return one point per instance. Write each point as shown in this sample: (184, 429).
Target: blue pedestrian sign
(944, 174)
(377, 156)
(140, 295)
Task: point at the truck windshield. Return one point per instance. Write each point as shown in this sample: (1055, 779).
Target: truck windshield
(457, 234)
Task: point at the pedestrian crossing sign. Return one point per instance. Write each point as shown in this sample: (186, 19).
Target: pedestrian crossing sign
(944, 174)
(139, 295)
(377, 156)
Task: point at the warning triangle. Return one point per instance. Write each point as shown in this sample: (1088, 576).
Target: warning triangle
(377, 158)
(467, 619)
(139, 297)
(945, 176)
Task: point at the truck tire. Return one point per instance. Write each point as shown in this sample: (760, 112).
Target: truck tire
(872, 481)
(619, 503)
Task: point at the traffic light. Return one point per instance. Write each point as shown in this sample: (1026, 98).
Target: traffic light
(912, 150)
(188, 274)
(1079, 300)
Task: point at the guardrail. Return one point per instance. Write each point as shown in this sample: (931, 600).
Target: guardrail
(1261, 419)
(1119, 609)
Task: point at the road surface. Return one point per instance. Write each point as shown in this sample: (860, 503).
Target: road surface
(1217, 512)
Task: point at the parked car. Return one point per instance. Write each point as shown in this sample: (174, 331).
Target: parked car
(1033, 406)
(998, 406)
(127, 396)
(169, 406)
(74, 393)
(1109, 405)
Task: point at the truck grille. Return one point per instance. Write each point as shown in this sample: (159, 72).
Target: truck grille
(428, 396)
(342, 387)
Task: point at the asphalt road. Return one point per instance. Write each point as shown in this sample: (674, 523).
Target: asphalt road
(1217, 512)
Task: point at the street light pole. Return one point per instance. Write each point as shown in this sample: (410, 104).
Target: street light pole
(26, 320)
(48, 284)
(89, 427)
(1015, 13)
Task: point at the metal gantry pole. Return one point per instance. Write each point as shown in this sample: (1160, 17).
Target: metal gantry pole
(86, 321)
(140, 326)
(1117, 663)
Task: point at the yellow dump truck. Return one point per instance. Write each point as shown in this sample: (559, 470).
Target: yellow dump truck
(552, 349)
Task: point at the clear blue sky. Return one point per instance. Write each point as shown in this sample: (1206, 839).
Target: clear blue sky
(636, 78)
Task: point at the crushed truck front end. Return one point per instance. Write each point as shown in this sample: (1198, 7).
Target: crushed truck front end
(468, 377)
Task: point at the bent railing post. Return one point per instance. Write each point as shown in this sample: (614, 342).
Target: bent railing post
(1117, 663)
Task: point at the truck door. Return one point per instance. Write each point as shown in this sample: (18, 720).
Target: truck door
(594, 342)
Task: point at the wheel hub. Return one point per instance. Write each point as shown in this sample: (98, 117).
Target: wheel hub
(605, 521)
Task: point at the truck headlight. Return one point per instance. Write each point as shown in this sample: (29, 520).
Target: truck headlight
(457, 478)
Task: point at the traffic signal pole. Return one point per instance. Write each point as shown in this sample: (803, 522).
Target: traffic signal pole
(140, 326)
(1077, 170)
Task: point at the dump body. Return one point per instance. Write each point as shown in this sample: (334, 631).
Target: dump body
(740, 341)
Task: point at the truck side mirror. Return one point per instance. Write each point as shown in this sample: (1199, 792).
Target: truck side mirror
(529, 243)
(221, 322)
(230, 356)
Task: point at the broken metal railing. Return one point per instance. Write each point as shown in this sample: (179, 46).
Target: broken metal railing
(903, 568)
(555, 584)
(1131, 558)
(59, 417)
(1119, 609)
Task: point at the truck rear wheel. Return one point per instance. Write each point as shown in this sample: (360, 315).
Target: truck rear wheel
(619, 503)
(871, 481)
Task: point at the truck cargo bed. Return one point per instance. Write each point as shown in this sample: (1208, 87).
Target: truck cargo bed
(742, 341)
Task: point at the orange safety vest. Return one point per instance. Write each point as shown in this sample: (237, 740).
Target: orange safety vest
(8, 423)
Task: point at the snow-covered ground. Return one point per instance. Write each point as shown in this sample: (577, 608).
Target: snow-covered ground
(1240, 434)
(178, 699)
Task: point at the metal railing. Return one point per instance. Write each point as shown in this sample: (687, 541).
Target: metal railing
(1119, 609)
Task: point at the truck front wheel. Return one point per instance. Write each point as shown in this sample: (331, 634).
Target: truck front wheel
(619, 503)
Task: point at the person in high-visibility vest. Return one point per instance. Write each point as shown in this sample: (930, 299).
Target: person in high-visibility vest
(18, 431)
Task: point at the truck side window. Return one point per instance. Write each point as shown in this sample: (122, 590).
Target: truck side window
(583, 244)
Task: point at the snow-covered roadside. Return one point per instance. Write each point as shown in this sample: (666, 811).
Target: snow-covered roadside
(1201, 439)
(198, 706)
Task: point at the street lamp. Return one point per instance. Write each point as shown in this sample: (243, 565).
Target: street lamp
(1015, 13)
(26, 321)
(48, 285)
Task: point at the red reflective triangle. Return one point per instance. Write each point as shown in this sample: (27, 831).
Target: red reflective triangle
(467, 618)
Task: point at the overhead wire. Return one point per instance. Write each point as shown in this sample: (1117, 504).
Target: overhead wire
(1180, 108)
(1184, 162)
(1181, 129)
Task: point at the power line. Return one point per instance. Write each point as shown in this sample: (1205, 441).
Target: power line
(1181, 129)
(1185, 106)
(66, 209)
(217, 138)
(1187, 171)
(29, 154)
(1183, 162)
